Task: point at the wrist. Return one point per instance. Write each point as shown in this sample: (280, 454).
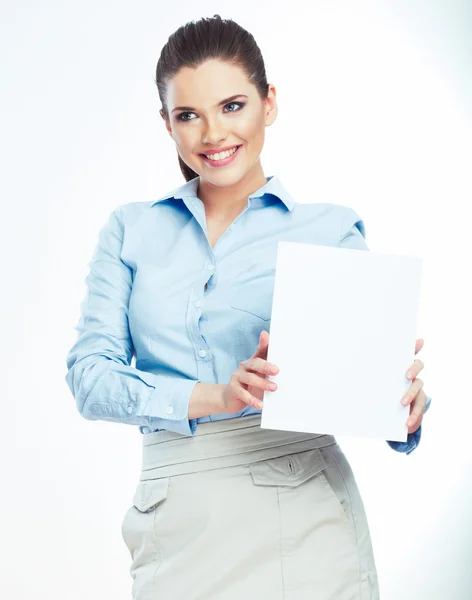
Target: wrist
(217, 398)
(206, 399)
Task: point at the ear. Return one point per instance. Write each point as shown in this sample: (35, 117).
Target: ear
(270, 107)
(167, 122)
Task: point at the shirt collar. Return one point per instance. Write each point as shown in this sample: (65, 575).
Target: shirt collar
(273, 187)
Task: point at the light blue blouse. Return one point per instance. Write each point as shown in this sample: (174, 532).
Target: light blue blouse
(149, 331)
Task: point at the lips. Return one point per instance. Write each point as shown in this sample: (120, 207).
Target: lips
(219, 151)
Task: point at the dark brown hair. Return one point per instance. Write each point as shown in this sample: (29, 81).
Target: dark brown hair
(209, 38)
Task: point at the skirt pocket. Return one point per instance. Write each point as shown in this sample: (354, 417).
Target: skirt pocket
(295, 469)
(320, 556)
(138, 526)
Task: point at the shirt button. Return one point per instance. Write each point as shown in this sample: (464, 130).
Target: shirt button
(210, 267)
(202, 353)
(146, 429)
(169, 410)
(129, 410)
(197, 303)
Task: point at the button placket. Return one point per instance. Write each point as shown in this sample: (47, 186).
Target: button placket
(197, 338)
(211, 269)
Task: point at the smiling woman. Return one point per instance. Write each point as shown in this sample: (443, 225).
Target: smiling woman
(215, 98)
(224, 509)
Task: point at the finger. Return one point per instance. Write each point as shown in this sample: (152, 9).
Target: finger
(412, 392)
(415, 368)
(417, 411)
(259, 365)
(419, 344)
(248, 398)
(261, 349)
(257, 381)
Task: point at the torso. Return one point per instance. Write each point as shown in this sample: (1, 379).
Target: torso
(215, 230)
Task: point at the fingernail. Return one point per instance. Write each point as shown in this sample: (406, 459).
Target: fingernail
(405, 400)
(409, 374)
(409, 422)
(274, 370)
(259, 405)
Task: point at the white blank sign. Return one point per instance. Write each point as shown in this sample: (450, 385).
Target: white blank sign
(343, 334)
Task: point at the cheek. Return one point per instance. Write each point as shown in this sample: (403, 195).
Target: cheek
(185, 135)
(252, 130)
(182, 139)
(252, 124)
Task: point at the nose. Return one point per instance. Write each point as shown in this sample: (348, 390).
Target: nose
(214, 133)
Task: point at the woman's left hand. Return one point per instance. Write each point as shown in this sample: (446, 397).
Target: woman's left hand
(415, 395)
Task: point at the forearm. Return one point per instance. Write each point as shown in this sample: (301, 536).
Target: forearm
(109, 390)
(206, 399)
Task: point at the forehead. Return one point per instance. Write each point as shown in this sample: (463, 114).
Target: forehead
(207, 85)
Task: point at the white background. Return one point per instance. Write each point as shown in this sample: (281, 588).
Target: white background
(374, 113)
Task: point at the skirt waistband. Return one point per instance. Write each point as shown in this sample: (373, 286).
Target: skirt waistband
(224, 443)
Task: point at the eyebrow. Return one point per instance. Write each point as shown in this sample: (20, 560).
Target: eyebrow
(225, 101)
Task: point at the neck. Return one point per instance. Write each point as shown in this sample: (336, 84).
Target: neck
(225, 202)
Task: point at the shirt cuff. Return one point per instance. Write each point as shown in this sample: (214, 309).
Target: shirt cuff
(413, 439)
(171, 398)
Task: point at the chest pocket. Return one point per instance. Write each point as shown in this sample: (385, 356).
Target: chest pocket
(255, 299)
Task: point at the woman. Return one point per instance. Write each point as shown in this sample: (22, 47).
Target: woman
(223, 509)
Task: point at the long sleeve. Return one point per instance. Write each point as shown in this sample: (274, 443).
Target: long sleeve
(353, 236)
(103, 383)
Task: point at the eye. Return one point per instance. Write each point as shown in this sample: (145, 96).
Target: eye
(240, 104)
(179, 118)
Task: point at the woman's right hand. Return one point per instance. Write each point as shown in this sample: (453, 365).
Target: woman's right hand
(248, 382)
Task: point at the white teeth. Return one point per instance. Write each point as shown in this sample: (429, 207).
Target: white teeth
(221, 155)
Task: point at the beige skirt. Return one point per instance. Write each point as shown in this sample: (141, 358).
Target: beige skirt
(240, 513)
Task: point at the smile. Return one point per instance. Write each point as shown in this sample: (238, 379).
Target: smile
(222, 159)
